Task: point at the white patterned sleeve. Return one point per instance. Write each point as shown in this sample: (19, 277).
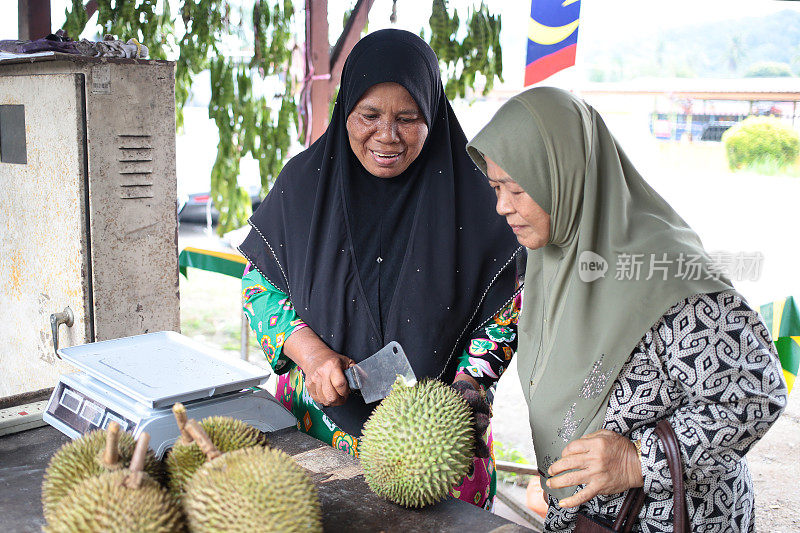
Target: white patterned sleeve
(718, 355)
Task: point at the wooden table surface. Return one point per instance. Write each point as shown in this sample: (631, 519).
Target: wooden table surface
(347, 502)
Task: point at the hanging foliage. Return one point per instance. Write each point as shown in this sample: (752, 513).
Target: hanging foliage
(250, 120)
(255, 115)
(478, 52)
(204, 22)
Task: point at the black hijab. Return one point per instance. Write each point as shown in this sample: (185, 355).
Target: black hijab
(446, 256)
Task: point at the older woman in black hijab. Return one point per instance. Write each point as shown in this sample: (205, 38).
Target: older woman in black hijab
(383, 230)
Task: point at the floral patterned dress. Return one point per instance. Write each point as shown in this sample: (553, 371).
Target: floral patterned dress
(485, 357)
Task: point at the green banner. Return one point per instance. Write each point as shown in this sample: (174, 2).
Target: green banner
(783, 320)
(229, 264)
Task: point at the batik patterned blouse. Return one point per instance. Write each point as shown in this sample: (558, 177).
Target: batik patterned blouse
(709, 367)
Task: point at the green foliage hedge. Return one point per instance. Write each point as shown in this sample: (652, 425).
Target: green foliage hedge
(769, 69)
(757, 140)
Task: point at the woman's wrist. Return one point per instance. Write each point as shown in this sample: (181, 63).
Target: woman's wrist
(305, 348)
(635, 464)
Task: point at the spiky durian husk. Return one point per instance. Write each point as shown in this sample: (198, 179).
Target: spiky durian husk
(80, 459)
(227, 434)
(418, 443)
(252, 489)
(103, 503)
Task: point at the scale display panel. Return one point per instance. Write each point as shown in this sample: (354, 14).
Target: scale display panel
(159, 369)
(83, 413)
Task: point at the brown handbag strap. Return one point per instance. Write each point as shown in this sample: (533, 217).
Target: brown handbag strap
(629, 511)
(670, 442)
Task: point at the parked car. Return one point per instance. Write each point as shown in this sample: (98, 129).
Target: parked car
(703, 127)
(199, 209)
(713, 130)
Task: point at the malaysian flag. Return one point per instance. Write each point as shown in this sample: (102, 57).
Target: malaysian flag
(552, 38)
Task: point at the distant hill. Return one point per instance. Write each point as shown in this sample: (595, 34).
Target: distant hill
(711, 50)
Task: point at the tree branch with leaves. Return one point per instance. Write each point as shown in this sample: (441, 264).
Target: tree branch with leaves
(253, 118)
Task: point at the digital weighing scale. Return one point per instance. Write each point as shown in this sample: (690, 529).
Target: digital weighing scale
(134, 381)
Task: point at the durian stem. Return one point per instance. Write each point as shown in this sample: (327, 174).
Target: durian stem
(111, 452)
(134, 479)
(202, 439)
(180, 417)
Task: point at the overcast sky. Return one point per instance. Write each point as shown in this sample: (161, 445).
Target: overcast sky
(600, 19)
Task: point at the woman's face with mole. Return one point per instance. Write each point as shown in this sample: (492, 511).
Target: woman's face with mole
(386, 130)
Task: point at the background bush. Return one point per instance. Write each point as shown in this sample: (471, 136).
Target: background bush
(512, 455)
(760, 141)
(769, 69)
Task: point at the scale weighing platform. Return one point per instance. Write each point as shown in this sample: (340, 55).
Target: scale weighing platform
(134, 381)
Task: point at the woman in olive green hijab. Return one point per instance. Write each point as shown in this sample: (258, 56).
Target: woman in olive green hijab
(625, 321)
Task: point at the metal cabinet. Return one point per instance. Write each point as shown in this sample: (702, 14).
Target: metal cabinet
(87, 208)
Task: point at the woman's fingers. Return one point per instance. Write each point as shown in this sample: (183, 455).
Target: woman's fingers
(582, 496)
(329, 393)
(338, 380)
(581, 445)
(312, 390)
(567, 463)
(326, 383)
(568, 479)
(333, 388)
(604, 460)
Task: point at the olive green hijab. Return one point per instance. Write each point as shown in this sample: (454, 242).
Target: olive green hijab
(579, 323)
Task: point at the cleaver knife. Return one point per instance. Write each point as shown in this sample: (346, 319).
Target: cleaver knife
(375, 375)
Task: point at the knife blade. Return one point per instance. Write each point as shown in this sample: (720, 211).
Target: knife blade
(375, 375)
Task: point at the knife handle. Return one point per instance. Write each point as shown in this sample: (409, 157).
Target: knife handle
(352, 378)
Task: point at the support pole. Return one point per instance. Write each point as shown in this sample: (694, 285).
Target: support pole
(349, 37)
(245, 337)
(325, 68)
(320, 69)
(33, 19)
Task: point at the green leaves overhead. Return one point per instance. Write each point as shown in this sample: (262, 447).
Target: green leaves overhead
(204, 25)
(76, 19)
(133, 19)
(248, 124)
(251, 119)
(479, 51)
(248, 53)
(272, 31)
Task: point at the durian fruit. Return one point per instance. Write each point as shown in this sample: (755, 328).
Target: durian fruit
(185, 458)
(417, 444)
(252, 489)
(92, 454)
(118, 500)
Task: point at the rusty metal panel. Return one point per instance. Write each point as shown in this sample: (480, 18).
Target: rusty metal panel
(133, 198)
(122, 272)
(43, 241)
